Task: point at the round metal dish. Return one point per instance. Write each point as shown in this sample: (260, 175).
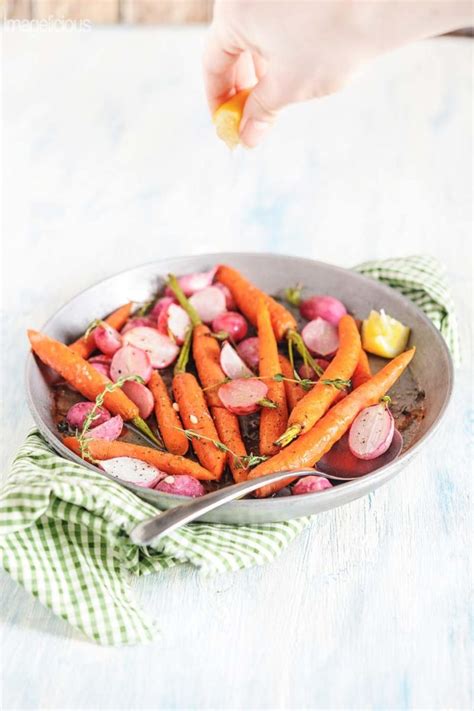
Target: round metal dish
(431, 368)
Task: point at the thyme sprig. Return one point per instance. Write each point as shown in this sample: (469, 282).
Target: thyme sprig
(242, 462)
(338, 383)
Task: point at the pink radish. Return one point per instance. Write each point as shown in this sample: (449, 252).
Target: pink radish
(320, 337)
(192, 283)
(243, 397)
(181, 485)
(229, 299)
(138, 321)
(101, 358)
(131, 360)
(306, 371)
(109, 430)
(102, 368)
(326, 307)
(174, 319)
(107, 339)
(248, 351)
(310, 484)
(133, 471)
(161, 304)
(232, 323)
(77, 414)
(161, 350)
(209, 303)
(371, 432)
(232, 364)
(141, 396)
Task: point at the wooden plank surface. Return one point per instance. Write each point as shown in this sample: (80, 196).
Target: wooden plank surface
(369, 609)
(97, 11)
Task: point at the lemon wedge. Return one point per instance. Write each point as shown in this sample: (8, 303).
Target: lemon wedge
(383, 335)
(228, 116)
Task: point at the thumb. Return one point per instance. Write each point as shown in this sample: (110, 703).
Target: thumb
(264, 101)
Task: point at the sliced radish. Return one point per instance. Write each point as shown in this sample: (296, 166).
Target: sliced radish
(232, 323)
(249, 352)
(161, 350)
(174, 319)
(321, 337)
(232, 364)
(243, 397)
(161, 304)
(192, 283)
(310, 484)
(138, 321)
(229, 299)
(181, 485)
(109, 430)
(77, 414)
(209, 303)
(107, 339)
(141, 396)
(326, 307)
(306, 371)
(133, 471)
(101, 358)
(371, 432)
(130, 360)
(102, 368)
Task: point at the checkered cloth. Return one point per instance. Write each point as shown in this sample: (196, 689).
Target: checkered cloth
(64, 529)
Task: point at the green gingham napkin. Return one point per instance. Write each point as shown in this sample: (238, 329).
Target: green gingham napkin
(65, 529)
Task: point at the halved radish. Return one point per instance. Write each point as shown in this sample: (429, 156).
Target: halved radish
(181, 485)
(326, 307)
(161, 304)
(77, 414)
(107, 339)
(141, 396)
(138, 321)
(101, 358)
(130, 360)
(320, 337)
(243, 397)
(133, 471)
(229, 299)
(232, 364)
(209, 303)
(306, 371)
(161, 350)
(248, 351)
(109, 430)
(192, 283)
(232, 323)
(371, 432)
(174, 319)
(102, 368)
(310, 484)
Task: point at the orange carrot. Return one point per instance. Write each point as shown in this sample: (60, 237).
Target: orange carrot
(170, 463)
(247, 298)
(196, 416)
(85, 346)
(362, 373)
(294, 391)
(310, 447)
(167, 418)
(228, 428)
(273, 421)
(318, 400)
(80, 374)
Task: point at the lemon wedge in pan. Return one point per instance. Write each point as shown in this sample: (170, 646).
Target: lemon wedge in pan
(383, 335)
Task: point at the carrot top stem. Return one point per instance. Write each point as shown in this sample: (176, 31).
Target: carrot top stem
(293, 294)
(296, 341)
(183, 301)
(144, 428)
(288, 436)
(265, 402)
(183, 358)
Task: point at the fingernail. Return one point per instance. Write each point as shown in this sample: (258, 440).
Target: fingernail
(253, 131)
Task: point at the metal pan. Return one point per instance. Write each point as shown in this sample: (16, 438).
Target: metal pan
(431, 368)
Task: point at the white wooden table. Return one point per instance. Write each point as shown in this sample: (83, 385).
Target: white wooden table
(110, 161)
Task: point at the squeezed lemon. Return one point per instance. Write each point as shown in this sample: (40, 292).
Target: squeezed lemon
(228, 116)
(383, 335)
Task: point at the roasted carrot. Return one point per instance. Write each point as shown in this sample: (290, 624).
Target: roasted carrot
(195, 416)
(362, 373)
(85, 346)
(310, 447)
(294, 391)
(273, 421)
(170, 463)
(167, 418)
(318, 400)
(228, 428)
(247, 297)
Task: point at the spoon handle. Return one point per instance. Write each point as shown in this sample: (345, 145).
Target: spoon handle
(148, 531)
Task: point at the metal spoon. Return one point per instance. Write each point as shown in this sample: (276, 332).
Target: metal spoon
(149, 531)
